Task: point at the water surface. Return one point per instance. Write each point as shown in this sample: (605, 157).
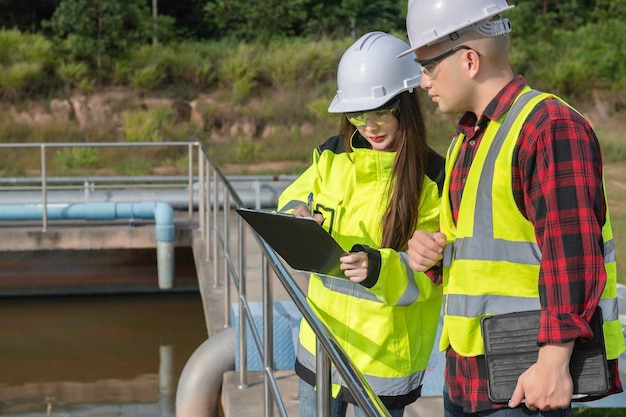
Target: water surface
(104, 355)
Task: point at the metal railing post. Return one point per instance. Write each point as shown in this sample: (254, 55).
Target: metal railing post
(190, 173)
(44, 189)
(268, 334)
(201, 194)
(208, 242)
(227, 280)
(86, 190)
(322, 381)
(257, 194)
(215, 209)
(243, 342)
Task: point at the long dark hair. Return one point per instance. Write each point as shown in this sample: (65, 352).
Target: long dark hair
(400, 218)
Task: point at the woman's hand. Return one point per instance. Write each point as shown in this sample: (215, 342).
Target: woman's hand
(354, 265)
(303, 211)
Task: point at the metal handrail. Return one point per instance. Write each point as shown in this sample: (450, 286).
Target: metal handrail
(210, 181)
(107, 182)
(328, 350)
(43, 163)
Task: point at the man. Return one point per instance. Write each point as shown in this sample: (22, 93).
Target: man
(524, 220)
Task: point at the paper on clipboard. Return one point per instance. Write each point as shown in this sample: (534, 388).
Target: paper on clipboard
(302, 243)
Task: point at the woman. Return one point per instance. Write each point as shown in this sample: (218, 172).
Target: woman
(371, 187)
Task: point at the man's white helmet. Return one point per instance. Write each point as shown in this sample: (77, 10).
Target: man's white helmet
(432, 21)
(370, 74)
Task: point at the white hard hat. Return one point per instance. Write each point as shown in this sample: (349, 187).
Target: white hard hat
(370, 74)
(429, 21)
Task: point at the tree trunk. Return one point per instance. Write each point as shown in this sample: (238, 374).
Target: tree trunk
(154, 17)
(99, 41)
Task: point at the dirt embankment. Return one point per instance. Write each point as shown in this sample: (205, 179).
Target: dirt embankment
(605, 110)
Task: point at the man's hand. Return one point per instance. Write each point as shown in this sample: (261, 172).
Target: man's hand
(547, 385)
(425, 249)
(354, 265)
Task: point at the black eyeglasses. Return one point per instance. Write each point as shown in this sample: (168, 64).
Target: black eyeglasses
(429, 65)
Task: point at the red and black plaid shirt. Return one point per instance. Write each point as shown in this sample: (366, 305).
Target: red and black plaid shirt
(557, 181)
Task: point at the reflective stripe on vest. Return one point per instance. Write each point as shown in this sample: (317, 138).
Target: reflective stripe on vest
(382, 386)
(465, 302)
(476, 305)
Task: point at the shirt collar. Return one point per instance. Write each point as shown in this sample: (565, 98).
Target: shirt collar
(495, 109)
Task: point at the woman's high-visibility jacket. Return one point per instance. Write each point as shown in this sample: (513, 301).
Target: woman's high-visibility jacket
(491, 262)
(386, 324)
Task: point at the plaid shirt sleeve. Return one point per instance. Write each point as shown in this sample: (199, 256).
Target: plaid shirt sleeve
(558, 176)
(435, 274)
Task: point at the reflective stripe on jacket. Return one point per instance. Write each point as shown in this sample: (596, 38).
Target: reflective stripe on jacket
(492, 260)
(388, 330)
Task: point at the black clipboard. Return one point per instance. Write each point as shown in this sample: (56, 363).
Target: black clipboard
(302, 243)
(511, 348)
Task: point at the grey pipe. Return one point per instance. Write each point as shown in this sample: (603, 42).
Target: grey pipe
(199, 385)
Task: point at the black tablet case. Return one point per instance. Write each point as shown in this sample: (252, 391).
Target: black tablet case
(511, 348)
(302, 243)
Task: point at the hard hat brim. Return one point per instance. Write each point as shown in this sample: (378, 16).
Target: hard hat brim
(405, 53)
(349, 106)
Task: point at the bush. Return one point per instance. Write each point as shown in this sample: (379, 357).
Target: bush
(82, 157)
(24, 60)
(573, 62)
(291, 63)
(238, 71)
(146, 125)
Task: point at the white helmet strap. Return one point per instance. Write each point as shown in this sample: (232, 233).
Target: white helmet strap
(485, 28)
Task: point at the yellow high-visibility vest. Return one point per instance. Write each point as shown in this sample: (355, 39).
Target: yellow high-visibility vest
(492, 260)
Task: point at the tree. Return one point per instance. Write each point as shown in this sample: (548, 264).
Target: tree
(188, 17)
(93, 31)
(354, 17)
(259, 20)
(25, 16)
(265, 19)
(609, 9)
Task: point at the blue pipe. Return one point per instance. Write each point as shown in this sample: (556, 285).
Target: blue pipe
(162, 213)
